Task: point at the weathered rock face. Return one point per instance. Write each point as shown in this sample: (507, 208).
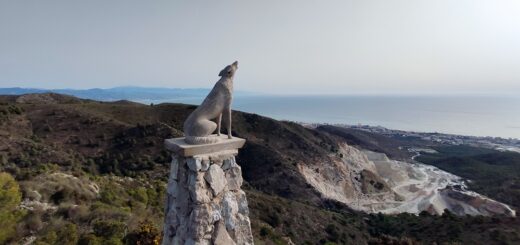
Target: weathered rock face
(347, 179)
(205, 204)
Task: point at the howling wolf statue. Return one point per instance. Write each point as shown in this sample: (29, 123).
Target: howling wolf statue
(199, 127)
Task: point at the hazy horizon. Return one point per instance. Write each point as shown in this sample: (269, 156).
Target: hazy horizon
(274, 93)
(289, 47)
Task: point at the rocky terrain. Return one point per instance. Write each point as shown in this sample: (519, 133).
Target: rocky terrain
(369, 181)
(423, 187)
(95, 173)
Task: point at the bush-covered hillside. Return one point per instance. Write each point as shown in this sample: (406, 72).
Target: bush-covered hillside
(492, 173)
(86, 172)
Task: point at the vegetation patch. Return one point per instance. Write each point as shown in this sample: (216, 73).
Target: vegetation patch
(492, 173)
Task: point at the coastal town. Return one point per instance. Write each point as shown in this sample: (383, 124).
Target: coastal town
(496, 143)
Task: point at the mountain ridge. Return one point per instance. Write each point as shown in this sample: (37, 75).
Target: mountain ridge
(121, 93)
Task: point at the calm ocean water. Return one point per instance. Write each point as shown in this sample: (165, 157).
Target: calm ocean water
(465, 115)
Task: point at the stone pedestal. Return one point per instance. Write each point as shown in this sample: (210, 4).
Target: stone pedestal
(205, 204)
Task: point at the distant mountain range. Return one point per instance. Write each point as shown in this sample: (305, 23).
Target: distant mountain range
(120, 93)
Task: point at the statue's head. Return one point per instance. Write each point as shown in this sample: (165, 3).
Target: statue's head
(230, 70)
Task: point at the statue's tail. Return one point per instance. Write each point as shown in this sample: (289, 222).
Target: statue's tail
(196, 140)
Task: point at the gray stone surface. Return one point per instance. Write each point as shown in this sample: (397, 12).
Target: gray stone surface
(194, 164)
(200, 222)
(228, 163)
(174, 168)
(205, 165)
(172, 188)
(183, 149)
(199, 191)
(199, 126)
(229, 209)
(222, 236)
(204, 203)
(234, 178)
(216, 179)
(243, 208)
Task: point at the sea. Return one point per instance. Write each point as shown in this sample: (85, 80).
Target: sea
(484, 115)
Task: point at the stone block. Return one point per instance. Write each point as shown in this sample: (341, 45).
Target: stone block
(199, 190)
(234, 178)
(172, 187)
(243, 208)
(216, 179)
(174, 168)
(200, 223)
(205, 165)
(179, 146)
(229, 209)
(221, 236)
(242, 233)
(229, 163)
(194, 164)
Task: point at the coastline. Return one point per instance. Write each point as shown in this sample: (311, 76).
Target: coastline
(495, 143)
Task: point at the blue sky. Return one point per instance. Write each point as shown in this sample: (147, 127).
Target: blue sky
(340, 47)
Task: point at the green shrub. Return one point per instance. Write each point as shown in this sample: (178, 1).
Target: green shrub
(90, 239)
(264, 231)
(48, 238)
(146, 234)
(3, 159)
(109, 229)
(10, 198)
(332, 230)
(15, 109)
(74, 212)
(103, 210)
(68, 235)
(273, 219)
(33, 221)
(112, 241)
(140, 194)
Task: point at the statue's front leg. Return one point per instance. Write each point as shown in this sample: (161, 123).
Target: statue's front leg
(227, 115)
(219, 122)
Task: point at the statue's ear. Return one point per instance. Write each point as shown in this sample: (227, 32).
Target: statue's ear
(225, 71)
(222, 73)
